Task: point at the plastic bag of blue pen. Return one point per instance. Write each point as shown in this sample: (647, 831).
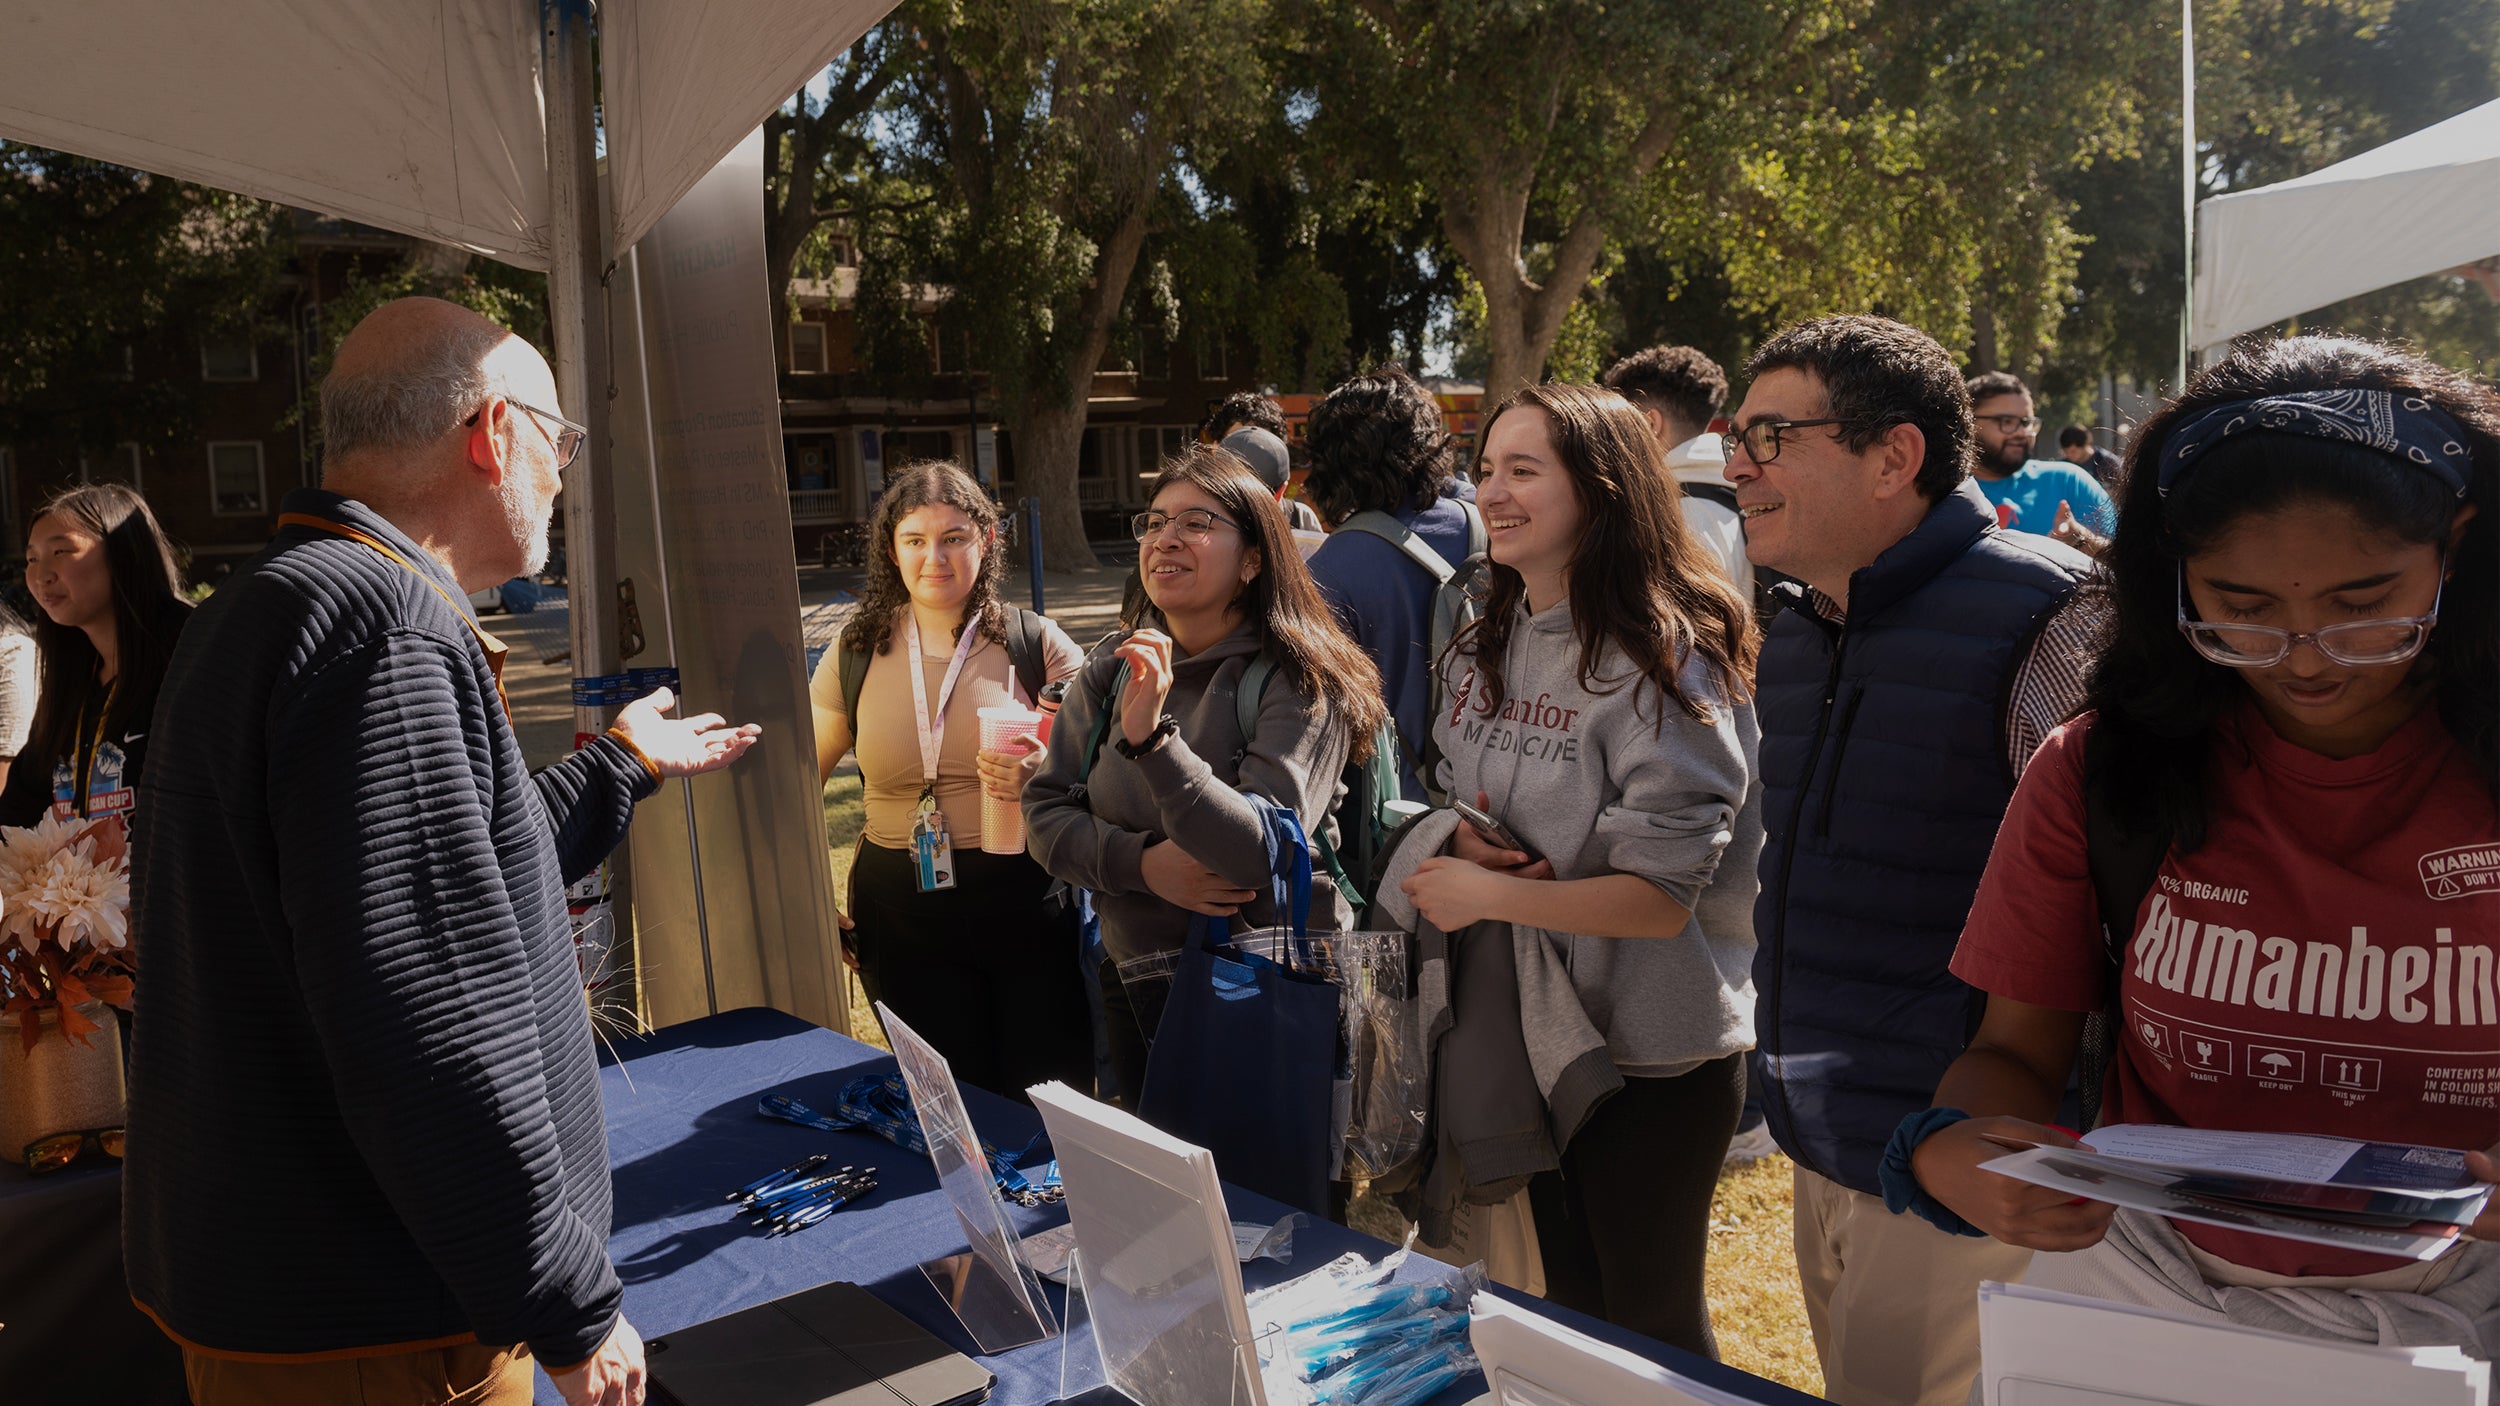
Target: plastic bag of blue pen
(1351, 1334)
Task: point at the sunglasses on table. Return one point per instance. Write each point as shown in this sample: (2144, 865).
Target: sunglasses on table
(51, 1154)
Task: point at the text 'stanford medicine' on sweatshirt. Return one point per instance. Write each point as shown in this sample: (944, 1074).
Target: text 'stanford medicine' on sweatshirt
(1624, 780)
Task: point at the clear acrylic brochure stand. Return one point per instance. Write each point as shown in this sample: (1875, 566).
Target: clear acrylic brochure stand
(1156, 1263)
(993, 1293)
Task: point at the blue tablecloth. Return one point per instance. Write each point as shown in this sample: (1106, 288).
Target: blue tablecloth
(683, 1130)
(72, 1336)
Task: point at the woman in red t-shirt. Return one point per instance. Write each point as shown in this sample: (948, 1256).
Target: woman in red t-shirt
(2300, 692)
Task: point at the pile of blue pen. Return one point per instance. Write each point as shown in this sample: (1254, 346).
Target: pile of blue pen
(878, 1103)
(801, 1194)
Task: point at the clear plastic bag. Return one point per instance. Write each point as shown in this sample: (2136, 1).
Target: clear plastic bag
(1383, 1074)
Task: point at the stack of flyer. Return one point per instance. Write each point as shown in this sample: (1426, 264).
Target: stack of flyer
(2383, 1197)
(2038, 1347)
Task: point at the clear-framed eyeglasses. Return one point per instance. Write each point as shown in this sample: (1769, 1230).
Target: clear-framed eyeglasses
(2360, 644)
(1195, 525)
(566, 439)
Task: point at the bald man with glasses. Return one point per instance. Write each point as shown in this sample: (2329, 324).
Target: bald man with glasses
(367, 1159)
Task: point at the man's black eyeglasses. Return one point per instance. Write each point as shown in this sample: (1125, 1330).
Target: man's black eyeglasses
(567, 442)
(1763, 438)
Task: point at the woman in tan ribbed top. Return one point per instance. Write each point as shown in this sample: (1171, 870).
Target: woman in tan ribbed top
(963, 951)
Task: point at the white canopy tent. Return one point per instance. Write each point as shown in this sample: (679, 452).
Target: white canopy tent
(421, 116)
(469, 122)
(2419, 205)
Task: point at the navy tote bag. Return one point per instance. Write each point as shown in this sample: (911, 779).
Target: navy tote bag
(1246, 1054)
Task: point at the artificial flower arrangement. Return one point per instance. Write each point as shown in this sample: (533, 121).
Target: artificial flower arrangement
(64, 922)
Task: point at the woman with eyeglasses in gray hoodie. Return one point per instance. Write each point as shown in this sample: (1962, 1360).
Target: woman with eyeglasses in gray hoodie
(1599, 711)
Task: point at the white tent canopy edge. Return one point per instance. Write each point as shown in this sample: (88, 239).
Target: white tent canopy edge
(2419, 205)
(419, 116)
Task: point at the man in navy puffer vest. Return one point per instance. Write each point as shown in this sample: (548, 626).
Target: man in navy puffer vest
(1900, 693)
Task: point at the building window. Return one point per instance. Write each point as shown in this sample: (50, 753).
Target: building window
(229, 356)
(1158, 443)
(237, 487)
(807, 348)
(1211, 357)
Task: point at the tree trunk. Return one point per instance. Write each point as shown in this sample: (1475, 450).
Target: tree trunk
(1486, 221)
(1052, 409)
(1983, 340)
(1048, 437)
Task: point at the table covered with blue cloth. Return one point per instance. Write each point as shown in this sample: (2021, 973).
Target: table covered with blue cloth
(683, 1130)
(69, 1334)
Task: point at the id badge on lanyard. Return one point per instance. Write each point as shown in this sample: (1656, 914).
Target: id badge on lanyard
(932, 853)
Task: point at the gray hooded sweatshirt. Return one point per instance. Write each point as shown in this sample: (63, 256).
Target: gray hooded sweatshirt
(1093, 832)
(1597, 783)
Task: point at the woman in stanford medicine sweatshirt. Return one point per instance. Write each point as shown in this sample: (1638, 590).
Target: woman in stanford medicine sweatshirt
(1599, 711)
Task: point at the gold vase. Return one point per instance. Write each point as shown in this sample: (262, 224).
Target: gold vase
(59, 1086)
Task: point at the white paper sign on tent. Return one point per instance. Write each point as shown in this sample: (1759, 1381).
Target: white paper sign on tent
(2043, 1348)
(1161, 1284)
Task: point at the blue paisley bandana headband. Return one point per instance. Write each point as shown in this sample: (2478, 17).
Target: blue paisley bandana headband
(2406, 427)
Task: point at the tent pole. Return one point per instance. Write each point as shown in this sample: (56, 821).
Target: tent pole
(2187, 183)
(577, 307)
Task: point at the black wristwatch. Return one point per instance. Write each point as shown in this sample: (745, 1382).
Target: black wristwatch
(1163, 731)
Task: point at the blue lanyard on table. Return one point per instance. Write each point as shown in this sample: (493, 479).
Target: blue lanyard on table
(879, 1104)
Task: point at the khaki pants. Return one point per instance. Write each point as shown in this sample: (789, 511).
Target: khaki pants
(464, 1374)
(1894, 1302)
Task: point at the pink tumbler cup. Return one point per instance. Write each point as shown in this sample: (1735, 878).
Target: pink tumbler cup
(1002, 822)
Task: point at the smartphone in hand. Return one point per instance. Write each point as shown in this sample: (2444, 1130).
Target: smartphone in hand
(1493, 830)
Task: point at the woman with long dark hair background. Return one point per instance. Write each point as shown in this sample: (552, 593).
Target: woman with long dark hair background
(2294, 716)
(109, 609)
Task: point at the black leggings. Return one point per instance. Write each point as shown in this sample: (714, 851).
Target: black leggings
(982, 970)
(1624, 1227)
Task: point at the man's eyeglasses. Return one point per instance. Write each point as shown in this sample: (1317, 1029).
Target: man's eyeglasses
(2010, 424)
(567, 440)
(1195, 525)
(51, 1154)
(1763, 439)
(2361, 644)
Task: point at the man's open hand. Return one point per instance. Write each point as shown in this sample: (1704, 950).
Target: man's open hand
(682, 746)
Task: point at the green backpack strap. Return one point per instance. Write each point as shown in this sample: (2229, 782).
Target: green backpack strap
(1246, 698)
(1102, 721)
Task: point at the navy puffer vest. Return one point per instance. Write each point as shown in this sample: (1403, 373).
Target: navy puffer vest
(1884, 775)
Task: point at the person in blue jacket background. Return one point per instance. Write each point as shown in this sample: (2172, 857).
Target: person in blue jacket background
(2049, 497)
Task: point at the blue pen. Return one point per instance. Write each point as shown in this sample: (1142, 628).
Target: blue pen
(784, 1197)
(799, 1168)
(798, 1185)
(803, 1219)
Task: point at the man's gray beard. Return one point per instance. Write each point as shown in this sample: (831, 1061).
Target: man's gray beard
(529, 529)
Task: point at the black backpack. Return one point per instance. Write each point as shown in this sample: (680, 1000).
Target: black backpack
(1024, 651)
(2124, 864)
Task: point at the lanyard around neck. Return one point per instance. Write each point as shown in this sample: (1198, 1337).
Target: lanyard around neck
(933, 728)
(495, 649)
